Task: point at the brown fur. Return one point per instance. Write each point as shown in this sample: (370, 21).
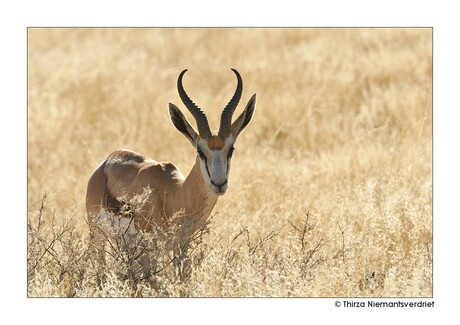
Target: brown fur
(216, 142)
(125, 173)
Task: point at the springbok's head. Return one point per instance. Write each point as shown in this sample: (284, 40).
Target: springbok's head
(214, 151)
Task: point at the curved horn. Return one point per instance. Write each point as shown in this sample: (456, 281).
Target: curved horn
(226, 117)
(198, 114)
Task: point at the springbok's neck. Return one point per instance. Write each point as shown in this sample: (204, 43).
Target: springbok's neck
(194, 196)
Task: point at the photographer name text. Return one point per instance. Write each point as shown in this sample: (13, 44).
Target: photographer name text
(384, 304)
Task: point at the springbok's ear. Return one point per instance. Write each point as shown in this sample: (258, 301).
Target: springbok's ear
(243, 120)
(179, 121)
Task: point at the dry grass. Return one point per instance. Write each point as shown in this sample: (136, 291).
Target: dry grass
(330, 191)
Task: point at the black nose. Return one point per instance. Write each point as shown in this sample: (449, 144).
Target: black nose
(219, 185)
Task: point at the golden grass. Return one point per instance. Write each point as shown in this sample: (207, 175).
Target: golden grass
(342, 133)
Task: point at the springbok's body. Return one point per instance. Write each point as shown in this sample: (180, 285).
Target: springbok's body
(125, 173)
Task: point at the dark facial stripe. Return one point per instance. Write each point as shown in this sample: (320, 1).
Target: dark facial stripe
(207, 170)
(203, 157)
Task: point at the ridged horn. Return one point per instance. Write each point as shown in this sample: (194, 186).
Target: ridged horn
(198, 114)
(227, 113)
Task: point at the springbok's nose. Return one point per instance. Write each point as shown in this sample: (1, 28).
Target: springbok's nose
(222, 187)
(219, 185)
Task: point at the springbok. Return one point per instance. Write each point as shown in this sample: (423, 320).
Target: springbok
(125, 173)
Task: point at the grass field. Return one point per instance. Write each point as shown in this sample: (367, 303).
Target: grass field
(331, 185)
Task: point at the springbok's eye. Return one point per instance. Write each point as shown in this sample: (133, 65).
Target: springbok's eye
(201, 154)
(230, 152)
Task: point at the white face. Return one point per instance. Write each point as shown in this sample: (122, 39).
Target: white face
(215, 160)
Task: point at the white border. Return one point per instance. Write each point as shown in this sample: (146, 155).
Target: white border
(16, 17)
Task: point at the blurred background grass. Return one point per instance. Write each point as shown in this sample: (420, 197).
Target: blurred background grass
(343, 128)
